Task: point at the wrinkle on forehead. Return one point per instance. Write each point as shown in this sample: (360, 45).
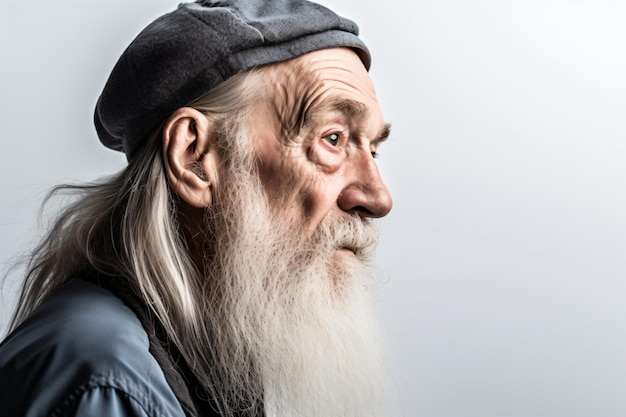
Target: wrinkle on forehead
(302, 89)
(293, 91)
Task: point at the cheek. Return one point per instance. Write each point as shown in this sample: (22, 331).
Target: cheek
(301, 181)
(320, 195)
(285, 180)
(300, 192)
(278, 182)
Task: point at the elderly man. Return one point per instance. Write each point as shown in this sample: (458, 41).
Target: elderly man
(225, 270)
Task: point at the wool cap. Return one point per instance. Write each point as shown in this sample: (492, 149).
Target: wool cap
(184, 54)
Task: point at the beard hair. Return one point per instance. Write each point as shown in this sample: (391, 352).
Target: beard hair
(292, 323)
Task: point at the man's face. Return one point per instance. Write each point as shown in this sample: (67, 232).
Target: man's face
(316, 134)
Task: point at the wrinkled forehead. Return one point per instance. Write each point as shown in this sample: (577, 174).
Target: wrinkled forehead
(320, 82)
(342, 68)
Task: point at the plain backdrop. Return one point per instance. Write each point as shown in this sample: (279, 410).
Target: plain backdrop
(503, 263)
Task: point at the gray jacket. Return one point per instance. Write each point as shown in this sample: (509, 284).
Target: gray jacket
(84, 353)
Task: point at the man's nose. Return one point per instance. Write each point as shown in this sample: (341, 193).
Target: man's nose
(366, 194)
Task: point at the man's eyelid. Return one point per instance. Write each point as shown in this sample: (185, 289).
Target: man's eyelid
(334, 120)
(338, 129)
(334, 124)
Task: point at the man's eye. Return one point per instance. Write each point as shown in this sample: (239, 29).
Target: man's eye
(333, 139)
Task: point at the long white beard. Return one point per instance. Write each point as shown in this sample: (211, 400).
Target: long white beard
(321, 353)
(295, 321)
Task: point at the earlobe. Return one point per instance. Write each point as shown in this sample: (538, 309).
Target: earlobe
(190, 156)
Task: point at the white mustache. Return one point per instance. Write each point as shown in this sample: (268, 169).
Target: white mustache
(353, 233)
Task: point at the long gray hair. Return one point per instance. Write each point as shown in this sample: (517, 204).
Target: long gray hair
(126, 225)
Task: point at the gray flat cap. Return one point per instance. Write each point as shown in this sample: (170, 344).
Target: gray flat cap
(184, 54)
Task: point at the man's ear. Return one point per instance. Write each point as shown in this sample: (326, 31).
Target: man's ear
(190, 156)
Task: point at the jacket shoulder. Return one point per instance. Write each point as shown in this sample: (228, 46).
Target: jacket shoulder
(81, 340)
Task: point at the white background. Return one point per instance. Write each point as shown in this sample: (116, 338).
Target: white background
(504, 259)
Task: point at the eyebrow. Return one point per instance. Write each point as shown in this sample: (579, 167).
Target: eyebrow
(383, 134)
(350, 108)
